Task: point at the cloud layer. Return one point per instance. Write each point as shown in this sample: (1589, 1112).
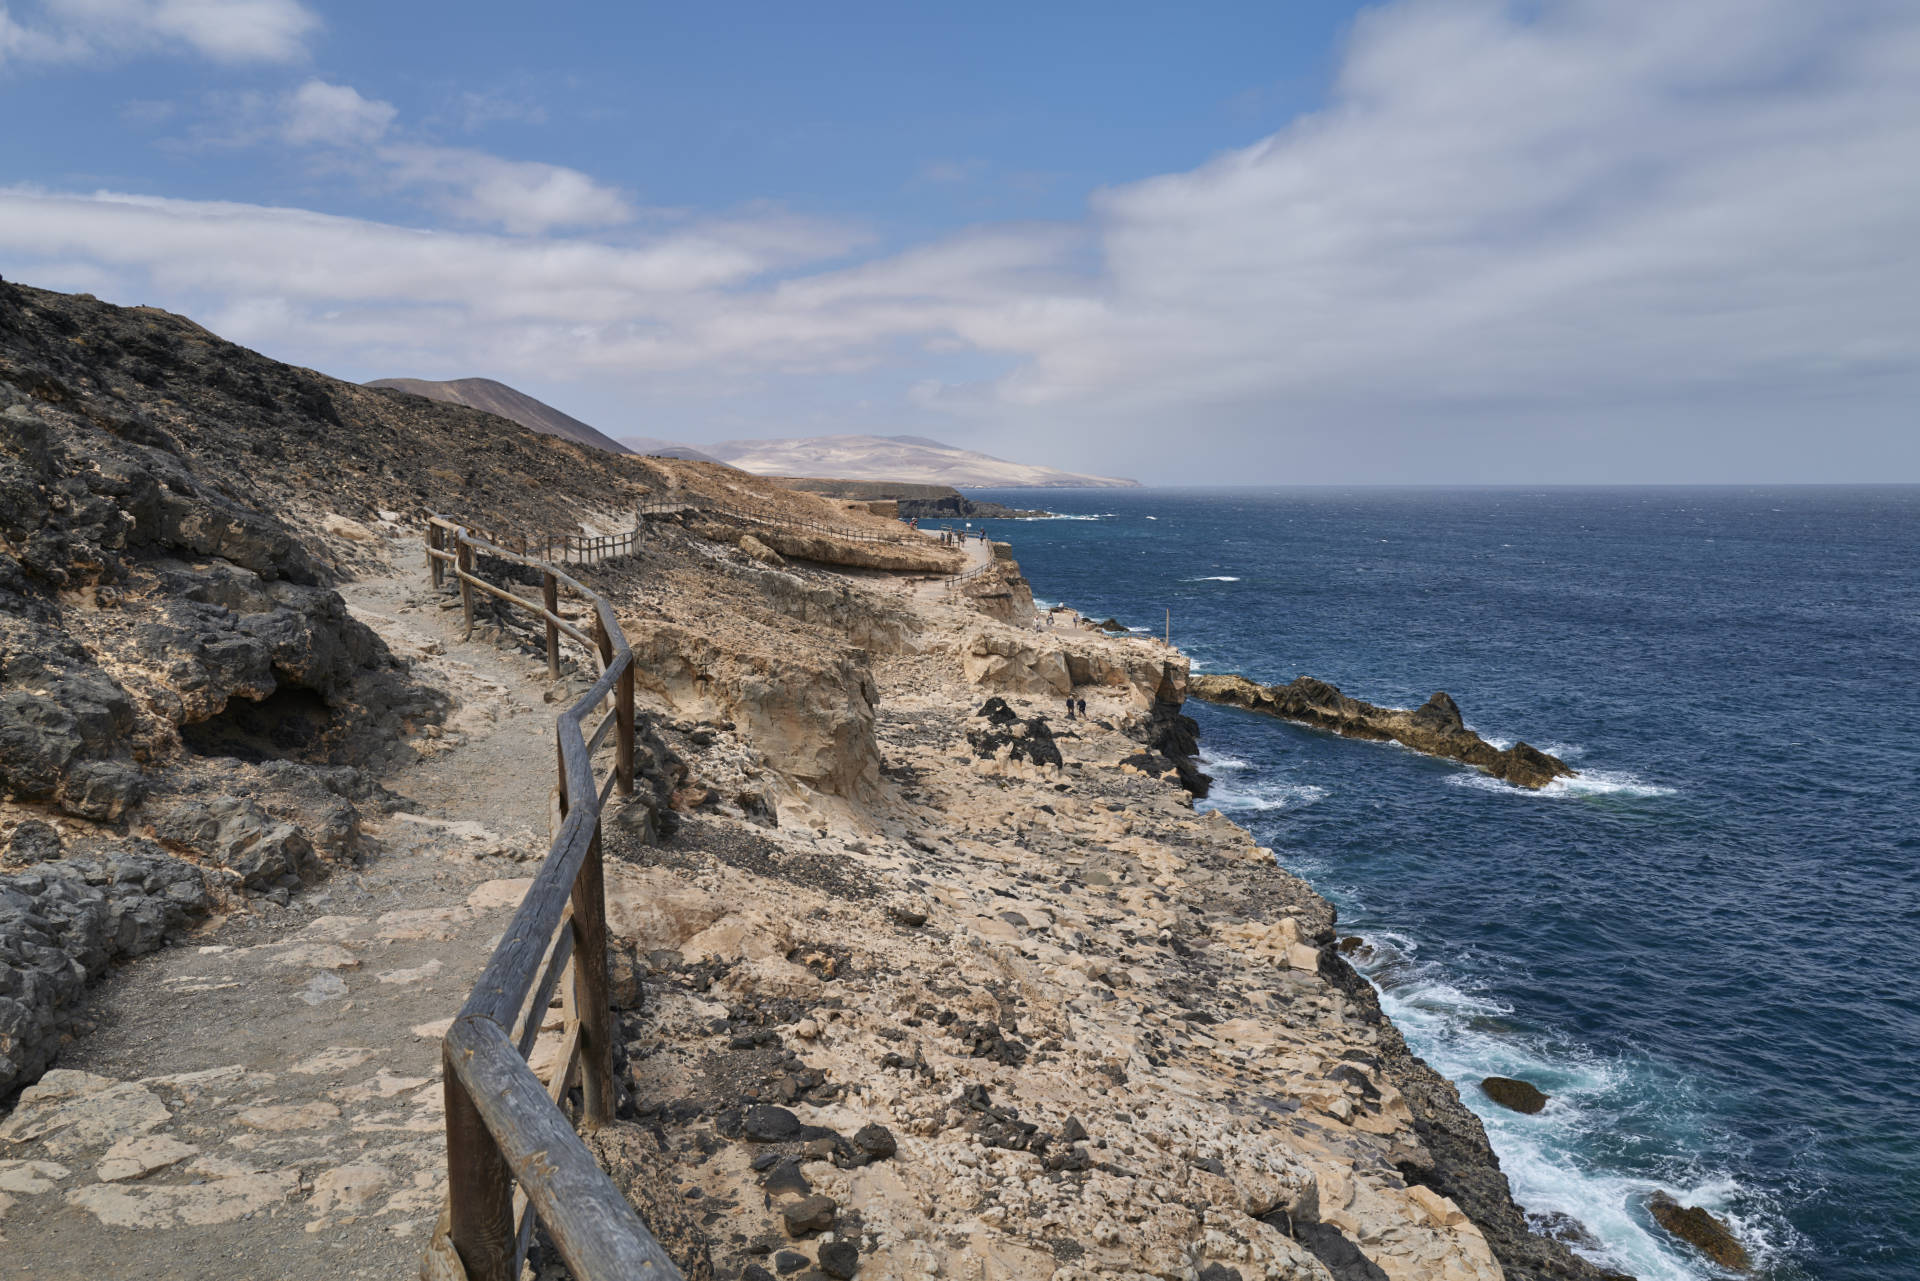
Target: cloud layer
(1610, 222)
(233, 31)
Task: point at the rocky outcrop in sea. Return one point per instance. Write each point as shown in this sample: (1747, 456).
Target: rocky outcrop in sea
(1435, 728)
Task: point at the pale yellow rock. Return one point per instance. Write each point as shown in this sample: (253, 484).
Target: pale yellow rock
(382, 1085)
(1441, 1210)
(30, 1178)
(222, 1200)
(69, 1112)
(440, 923)
(331, 928)
(347, 528)
(136, 1158)
(288, 1116)
(319, 956)
(654, 909)
(335, 1058)
(349, 1189)
(498, 894)
(433, 1031)
(413, 974)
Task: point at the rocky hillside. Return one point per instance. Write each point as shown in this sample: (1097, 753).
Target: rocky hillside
(188, 711)
(507, 402)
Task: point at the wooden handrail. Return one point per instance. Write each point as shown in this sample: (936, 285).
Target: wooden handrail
(504, 1125)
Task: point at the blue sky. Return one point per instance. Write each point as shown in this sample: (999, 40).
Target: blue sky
(1430, 240)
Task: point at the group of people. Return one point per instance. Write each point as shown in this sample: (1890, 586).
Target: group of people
(955, 537)
(1083, 708)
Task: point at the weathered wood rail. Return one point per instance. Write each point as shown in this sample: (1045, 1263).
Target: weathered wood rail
(505, 1126)
(593, 549)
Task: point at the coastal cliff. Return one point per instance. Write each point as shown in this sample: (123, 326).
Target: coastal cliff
(1435, 728)
(917, 975)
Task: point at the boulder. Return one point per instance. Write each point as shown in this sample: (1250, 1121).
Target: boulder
(34, 842)
(265, 852)
(1700, 1230)
(1519, 1096)
(809, 1215)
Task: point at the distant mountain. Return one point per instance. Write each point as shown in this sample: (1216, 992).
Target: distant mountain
(515, 406)
(912, 459)
(665, 449)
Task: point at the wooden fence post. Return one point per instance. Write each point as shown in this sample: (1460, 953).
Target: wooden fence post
(623, 729)
(464, 550)
(590, 990)
(550, 597)
(433, 545)
(479, 1189)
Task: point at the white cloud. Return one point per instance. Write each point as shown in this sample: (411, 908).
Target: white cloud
(1674, 226)
(235, 31)
(334, 115)
(522, 196)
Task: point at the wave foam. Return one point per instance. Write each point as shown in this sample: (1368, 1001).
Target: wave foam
(1468, 1036)
(1212, 578)
(1261, 796)
(1591, 782)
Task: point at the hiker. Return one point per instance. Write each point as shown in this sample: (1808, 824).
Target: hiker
(1083, 709)
(1069, 709)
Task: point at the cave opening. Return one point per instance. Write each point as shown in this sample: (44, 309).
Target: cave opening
(289, 724)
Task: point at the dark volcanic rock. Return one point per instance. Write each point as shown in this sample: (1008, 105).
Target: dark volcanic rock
(263, 851)
(840, 1259)
(1700, 1230)
(34, 842)
(1175, 738)
(875, 1141)
(763, 1124)
(808, 1215)
(1434, 728)
(1028, 740)
(62, 923)
(1519, 1096)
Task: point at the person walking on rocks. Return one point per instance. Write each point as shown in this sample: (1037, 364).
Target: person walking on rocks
(1069, 709)
(1083, 709)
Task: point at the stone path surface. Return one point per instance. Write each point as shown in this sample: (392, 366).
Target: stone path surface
(265, 1102)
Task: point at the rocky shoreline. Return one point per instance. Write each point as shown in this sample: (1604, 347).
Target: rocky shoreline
(1435, 728)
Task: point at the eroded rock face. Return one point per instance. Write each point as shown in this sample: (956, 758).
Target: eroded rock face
(142, 600)
(810, 715)
(1434, 728)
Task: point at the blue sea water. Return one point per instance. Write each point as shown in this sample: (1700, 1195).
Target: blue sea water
(1705, 947)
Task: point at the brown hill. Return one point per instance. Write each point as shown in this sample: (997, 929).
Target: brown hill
(509, 403)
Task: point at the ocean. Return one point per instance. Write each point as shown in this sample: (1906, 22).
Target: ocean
(1704, 947)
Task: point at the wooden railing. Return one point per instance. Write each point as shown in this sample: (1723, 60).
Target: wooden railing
(505, 1126)
(592, 549)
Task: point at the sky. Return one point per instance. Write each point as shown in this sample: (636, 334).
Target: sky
(1291, 241)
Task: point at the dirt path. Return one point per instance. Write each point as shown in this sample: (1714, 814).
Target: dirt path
(934, 589)
(265, 1101)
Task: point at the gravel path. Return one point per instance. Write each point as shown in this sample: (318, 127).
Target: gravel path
(265, 1102)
